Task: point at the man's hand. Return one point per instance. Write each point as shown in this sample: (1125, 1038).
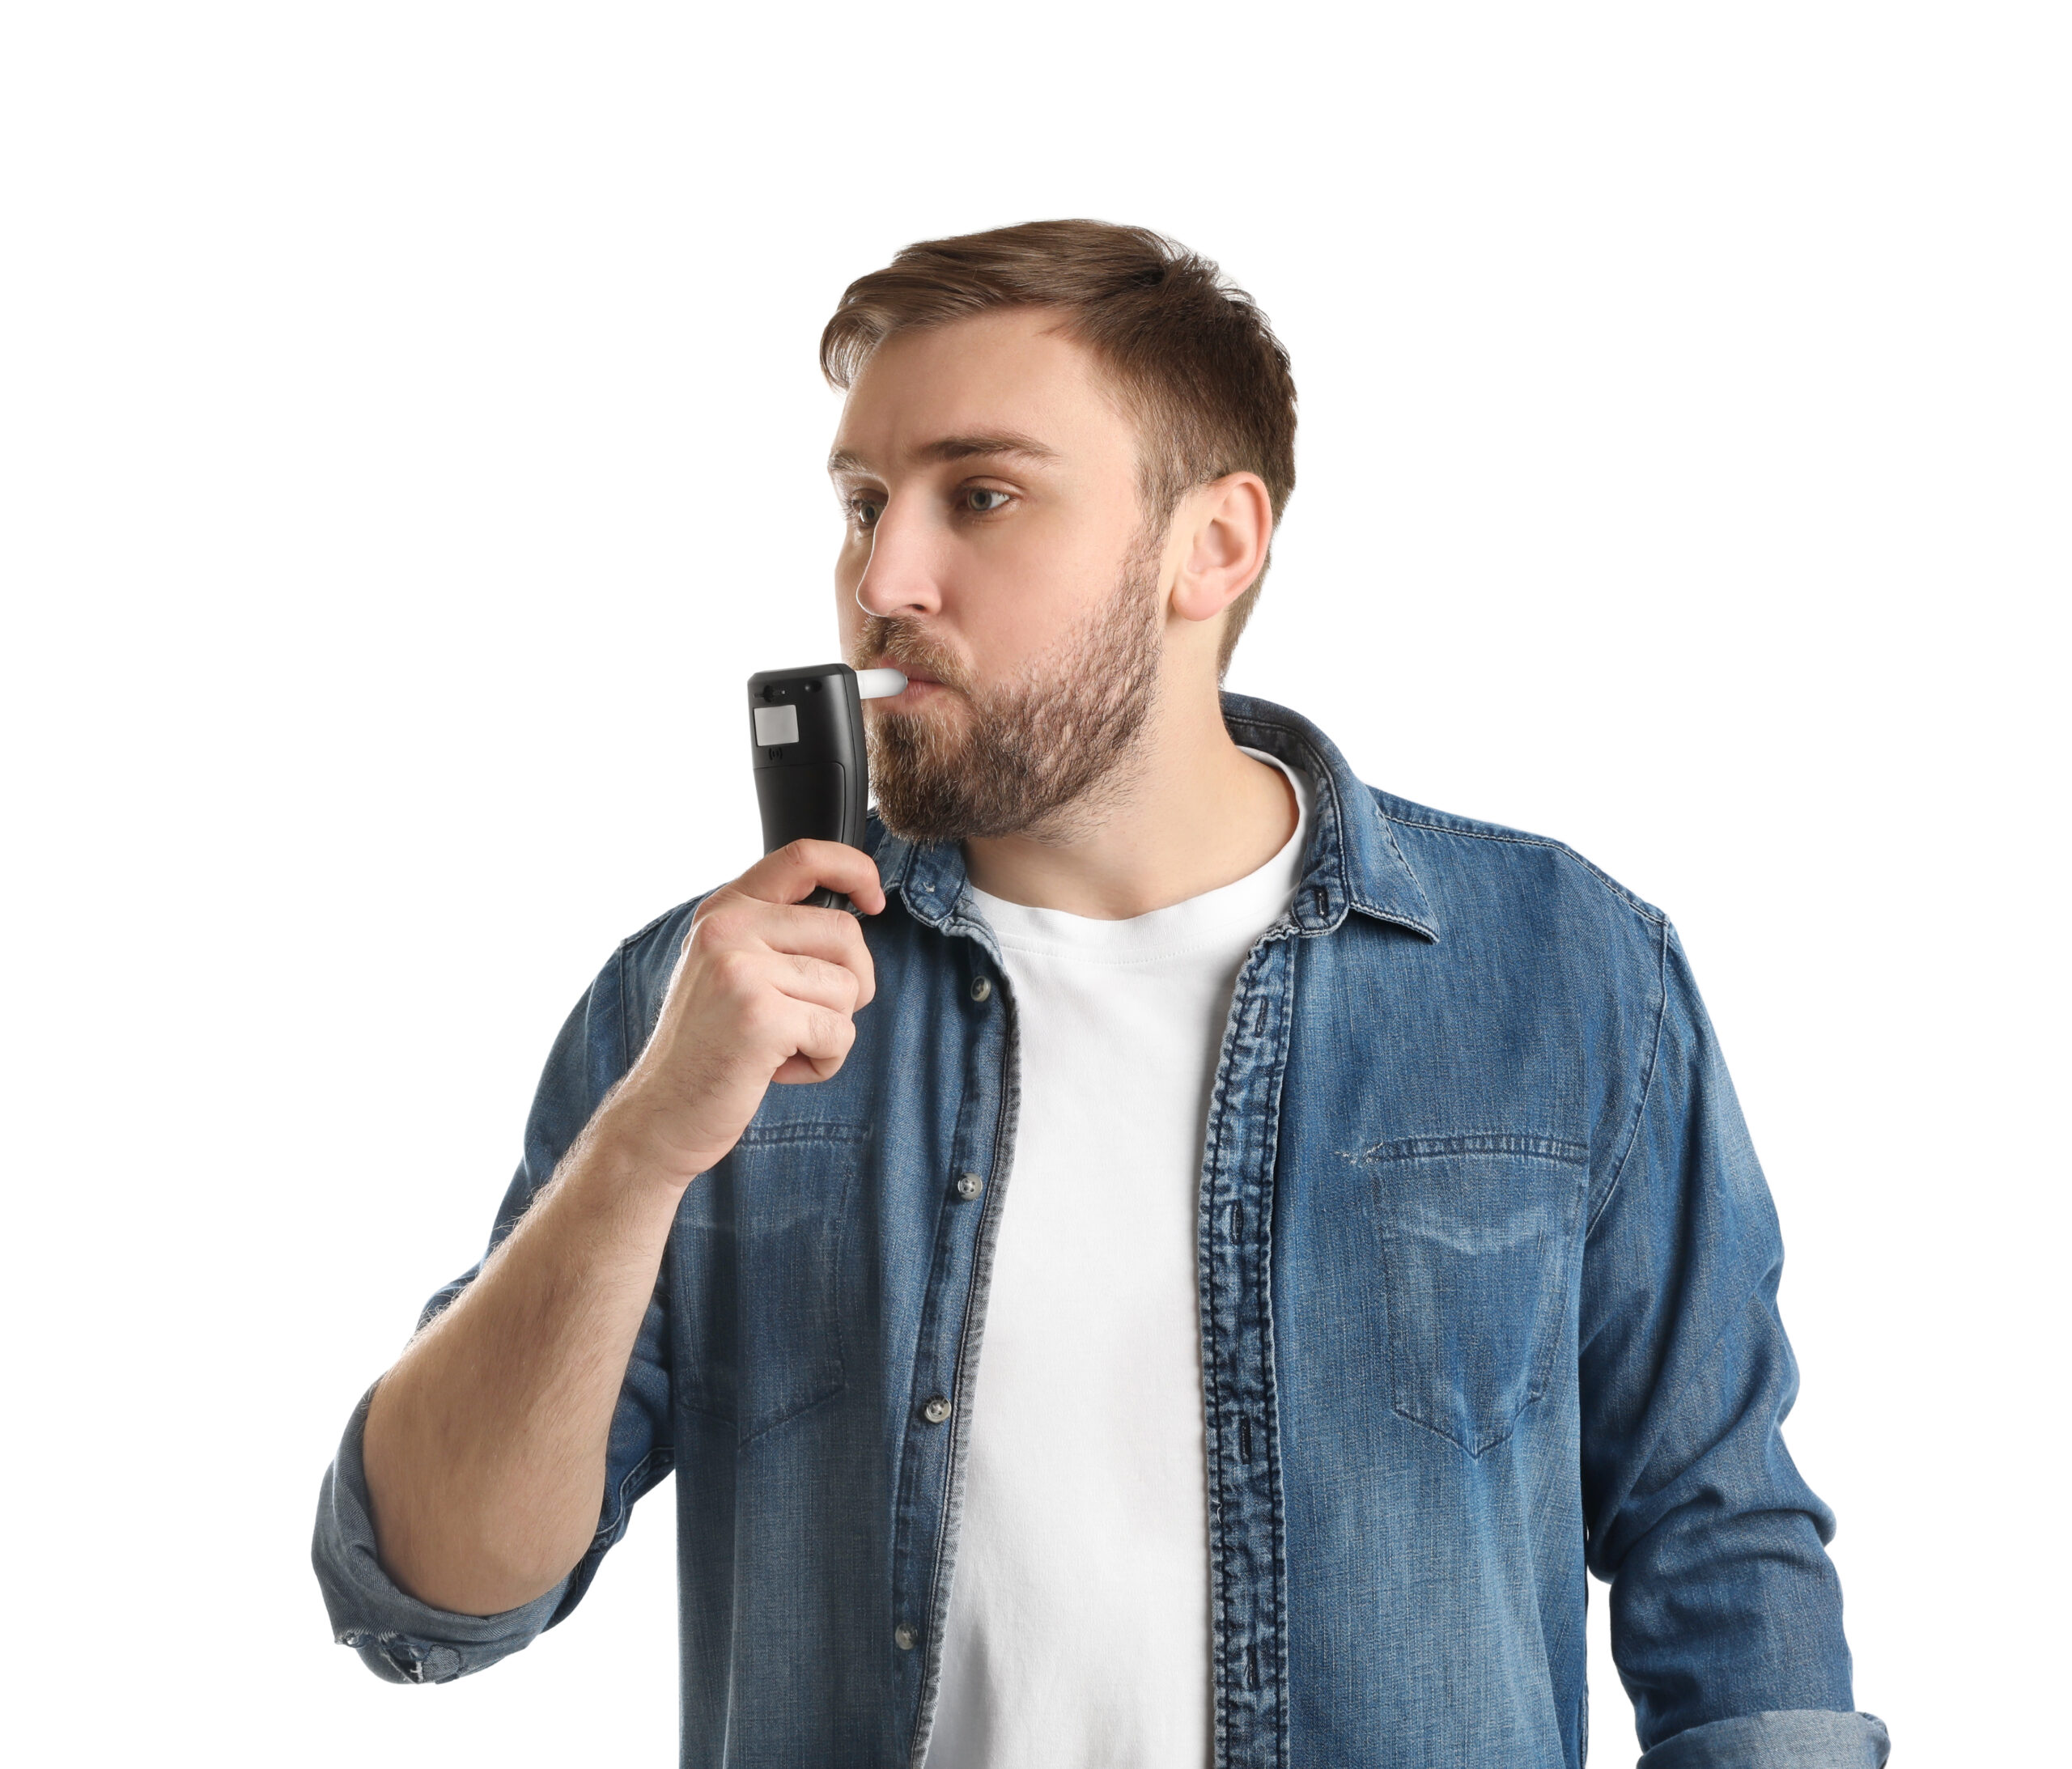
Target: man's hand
(485, 1445)
(765, 990)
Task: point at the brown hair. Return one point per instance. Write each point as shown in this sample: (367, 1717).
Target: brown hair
(1194, 358)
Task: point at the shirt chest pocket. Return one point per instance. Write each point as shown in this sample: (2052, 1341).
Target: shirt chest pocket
(1478, 1245)
(756, 1273)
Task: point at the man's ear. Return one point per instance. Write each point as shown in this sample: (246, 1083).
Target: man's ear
(1221, 531)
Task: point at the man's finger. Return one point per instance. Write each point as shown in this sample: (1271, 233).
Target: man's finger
(816, 981)
(824, 934)
(795, 871)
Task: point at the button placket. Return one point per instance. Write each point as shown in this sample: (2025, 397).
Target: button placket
(1239, 1374)
(979, 1160)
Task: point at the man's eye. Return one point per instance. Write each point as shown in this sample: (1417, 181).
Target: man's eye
(866, 511)
(983, 501)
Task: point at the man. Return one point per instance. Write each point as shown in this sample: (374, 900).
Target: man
(1349, 1197)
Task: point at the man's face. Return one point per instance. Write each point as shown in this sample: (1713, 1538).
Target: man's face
(995, 552)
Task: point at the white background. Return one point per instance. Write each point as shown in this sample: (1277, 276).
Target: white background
(410, 437)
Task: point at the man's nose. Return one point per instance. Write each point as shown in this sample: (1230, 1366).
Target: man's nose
(900, 576)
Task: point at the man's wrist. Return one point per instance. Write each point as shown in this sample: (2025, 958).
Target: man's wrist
(629, 1151)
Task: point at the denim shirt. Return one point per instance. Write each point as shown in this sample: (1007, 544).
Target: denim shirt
(1487, 1278)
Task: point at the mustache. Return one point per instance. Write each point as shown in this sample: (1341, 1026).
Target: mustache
(907, 648)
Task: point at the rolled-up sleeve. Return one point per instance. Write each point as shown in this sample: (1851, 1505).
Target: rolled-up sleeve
(396, 1637)
(1807, 1739)
(399, 1637)
(1726, 1614)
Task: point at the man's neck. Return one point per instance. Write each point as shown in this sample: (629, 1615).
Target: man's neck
(1186, 812)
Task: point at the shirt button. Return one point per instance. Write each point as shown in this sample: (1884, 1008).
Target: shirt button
(937, 1410)
(968, 1185)
(903, 1637)
(982, 987)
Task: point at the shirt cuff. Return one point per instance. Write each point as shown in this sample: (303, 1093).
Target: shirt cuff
(1796, 1738)
(398, 1638)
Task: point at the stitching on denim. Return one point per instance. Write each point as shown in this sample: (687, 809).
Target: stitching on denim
(688, 909)
(705, 1411)
(1333, 821)
(1224, 1672)
(410, 1666)
(1647, 1086)
(1562, 848)
(1473, 1452)
(1401, 1354)
(1215, 1399)
(841, 1135)
(1418, 1148)
(1213, 1407)
(775, 1136)
(1324, 784)
(625, 1010)
(904, 860)
(1404, 1409)
(1270, 1398)
(1403, 859)
(639, 934)
(609, 1532)
(971, 1342)
(778, 1136)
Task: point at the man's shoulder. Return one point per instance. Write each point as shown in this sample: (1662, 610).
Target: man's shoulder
(1470, 861)
(646, 958)
(667, 930)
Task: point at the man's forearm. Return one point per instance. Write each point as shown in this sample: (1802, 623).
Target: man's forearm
(485, 1445)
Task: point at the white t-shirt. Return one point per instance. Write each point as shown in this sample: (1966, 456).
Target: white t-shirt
(1079, 1615)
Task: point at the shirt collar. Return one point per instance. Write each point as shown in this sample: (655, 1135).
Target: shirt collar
(1352, 861)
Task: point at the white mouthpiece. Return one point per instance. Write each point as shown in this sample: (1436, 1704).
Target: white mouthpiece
(876, 683)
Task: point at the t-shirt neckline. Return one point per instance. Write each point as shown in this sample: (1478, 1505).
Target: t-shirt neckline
(1242, 909)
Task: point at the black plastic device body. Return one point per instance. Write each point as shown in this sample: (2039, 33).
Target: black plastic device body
(806, 731)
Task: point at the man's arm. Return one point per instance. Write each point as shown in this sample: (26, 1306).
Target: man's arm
(1726, 1618)
(485, 1446)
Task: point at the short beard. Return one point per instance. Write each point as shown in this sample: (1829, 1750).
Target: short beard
(1043, 757)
